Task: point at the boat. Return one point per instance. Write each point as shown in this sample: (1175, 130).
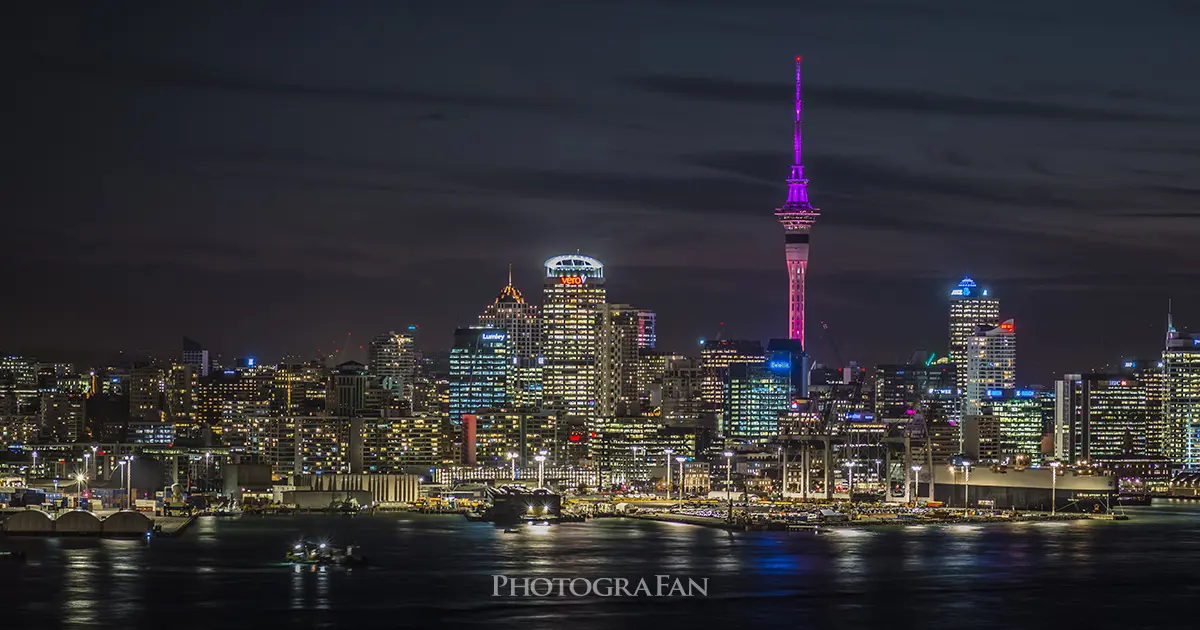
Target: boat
(12, 556)
(474, 516)
(1133, 498)
(320, 553)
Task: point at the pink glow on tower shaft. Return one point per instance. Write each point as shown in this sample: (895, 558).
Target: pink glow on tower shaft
(797, 216)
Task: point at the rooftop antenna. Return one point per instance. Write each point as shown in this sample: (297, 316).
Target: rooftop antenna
(1171, 332)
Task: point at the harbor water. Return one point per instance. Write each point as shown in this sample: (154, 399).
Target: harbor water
(432, 571)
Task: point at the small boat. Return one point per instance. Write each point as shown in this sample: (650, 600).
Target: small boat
(509, 530)
(320, 553)
(12, 556)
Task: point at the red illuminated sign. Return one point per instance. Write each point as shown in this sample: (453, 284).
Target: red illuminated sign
(571, 280)
(1006, 327)
(576, 437)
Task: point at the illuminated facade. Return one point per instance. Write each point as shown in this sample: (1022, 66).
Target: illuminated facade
(523, 433)
(196, 356)
(1150, 374)
(347, 391)
(1018, 419)
(991, 363)
(755, 396)
(396, 442)
(481, 371)
(716, 356)
(392, 359)
(510, 312)
(900, 387)
(1181, 399)
(647, 338)
(228, 394)
(970, 307)
(617, 364)
(797, 216)
(1101, 417)
(573, 300)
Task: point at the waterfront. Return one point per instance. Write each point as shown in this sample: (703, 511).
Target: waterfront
(428, 571)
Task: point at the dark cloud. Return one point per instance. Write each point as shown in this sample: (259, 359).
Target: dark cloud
(881, 99)
(148, 72)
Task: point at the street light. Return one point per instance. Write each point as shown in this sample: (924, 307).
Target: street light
(966, 484)
(207, 456)
(541, 460)
(34, 471)
(121, 465)
(729, 481)
(1053, 487)
(667, 452)
(916, 482)
(850, 490)
(513, 457)
(96, 462)
(681, 459)
(87, 468)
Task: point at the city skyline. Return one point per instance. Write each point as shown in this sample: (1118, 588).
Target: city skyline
(924, 184)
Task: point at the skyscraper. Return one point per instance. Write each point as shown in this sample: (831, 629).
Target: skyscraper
(1017, 416)
(715, 358)
(1101, 417)
(510, 312)
(991, 363)
(392, 359)
(797, 216)
(573, 299)
(616, 377)
(481, 371)
(970, 307)
(196, 356)
(755, 395)
(1181, 399)
(646, 324)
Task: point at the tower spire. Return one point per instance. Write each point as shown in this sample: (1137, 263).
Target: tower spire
(797, 215)
(510, 274)
(1171, 332)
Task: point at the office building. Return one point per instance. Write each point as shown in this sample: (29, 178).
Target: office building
(617, 365)
(392, 360)
(347, 391)
(523, 434)
(647, 338)
(899, 388)
(1181, 399)
(755, 396)
(510, 312)
(573, 301)
(1017, 418)
(1100, 417)
(481, 371)
(991, 363)
(971, 306)
(196, 356)
(716, 356)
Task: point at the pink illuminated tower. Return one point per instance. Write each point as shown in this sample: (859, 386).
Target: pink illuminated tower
(797, 216)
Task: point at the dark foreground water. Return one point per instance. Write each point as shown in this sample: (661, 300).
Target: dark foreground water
(436, 571)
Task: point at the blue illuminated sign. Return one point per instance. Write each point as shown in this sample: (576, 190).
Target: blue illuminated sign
(1025, 393)
(498, 336)
(994, 393)
(1130, 364)
(780, 365)
(250, 362)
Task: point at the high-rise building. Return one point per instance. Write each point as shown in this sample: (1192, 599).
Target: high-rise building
(991, 363)
(1101, 417)
(481, 371)
(347, 392)
(755, 396)
(798, 217)
(899, 388)
(1181, 399)
(146, 392)
(715, 358)
(1017, 417)
(196, 356)
(646, 325)
(392, 360)
(682, 383)
(970, 307)
(787, 358)
(573, 300)
(522, 434)
(510, 312)
(616, 373)
(1149, 372)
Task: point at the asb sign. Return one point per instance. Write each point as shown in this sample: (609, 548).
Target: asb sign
(571, 280)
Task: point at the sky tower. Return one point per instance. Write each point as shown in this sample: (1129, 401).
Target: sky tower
(797, 216)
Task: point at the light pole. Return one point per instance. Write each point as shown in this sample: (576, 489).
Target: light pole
(729, 481)
(681, 459)
(916, 482)
(782, 476)
(34, 468)
(850, 472)
(513, 457)
(667, 452)
(87, 464)
(129, 481)
(207, 457)
(80, 483)
(966, 484)
(95, 462)
(541, 460)
(121, 464)
(1053, 488)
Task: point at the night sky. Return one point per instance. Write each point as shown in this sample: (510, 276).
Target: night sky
(267, 178)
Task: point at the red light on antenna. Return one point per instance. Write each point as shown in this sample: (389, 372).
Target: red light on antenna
(798, 58)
